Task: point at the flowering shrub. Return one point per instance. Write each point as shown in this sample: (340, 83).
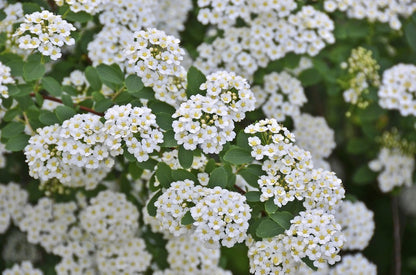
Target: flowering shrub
(207, 136)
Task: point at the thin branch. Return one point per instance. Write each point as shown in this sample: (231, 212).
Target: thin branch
(86, 109)
(396, 234)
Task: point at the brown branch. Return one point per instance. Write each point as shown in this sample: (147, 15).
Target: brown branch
(86, 109)
(241, 191)
(396, 234)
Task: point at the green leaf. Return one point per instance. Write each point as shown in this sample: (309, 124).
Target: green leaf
(164, 174)
(169, 139)
(30, 7)
(52, 86)
(123, 98)
(309, 263)
(161, 107)
(12, 129)
(409, 32)
(133, 84)
(33, 70)
(17, 143)
(11, 114)
(2, 15)
(64, 112)
(195, 78)
(242, 140)
(218, 177)
(182, 174)
(251, 174)
(364, 175)
(211, 165)
(185, 157)
(149, 164)
(270, 207)
(310, 77)
(146, 93)
(80, 17)
(282, 218)
(253, 196)
(151, 208)
(164, 120)
(358, 146)
(48, 117)
(134, 170)
(237, 155)
(93, 78)
(110, 74)
(67, 100)
(267, 228)
(103, 105)
(187, 219)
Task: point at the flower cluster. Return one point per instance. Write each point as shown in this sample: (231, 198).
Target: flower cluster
(314, 135)
(12, 201)
(156, 58)
(75, 153)
(222, 13)
(284, 96)
(46, 32)
(89, 6)
(5, 78)
(357, 224)
(14, 14)
(316, 235)
(171, 159)
(354, 264)
(136, 127)
(398, 89)
(127, 257)
(397, 169)
(47, 223)
(187, 258)
(382, 11)
(220, 216)
(173, 15)
(324, 191)
(110, 217)
(25, 267)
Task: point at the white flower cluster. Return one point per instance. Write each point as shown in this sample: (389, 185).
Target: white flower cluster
(324, 191)
(220, 216)
(316, 235)
(5, 78)
(171, 159)
(353, 265)
(136, 127)
(314, 135)
(304, 64)
(357, 224)
(184, 257)
(271, 256)
(284, 96)
(263, 39)
(14, 14)
(12, 201)
(127, 257)
(156, 58)
(398, 89)
(171, 15)
(397, 169)
(110, 217)
(208, 120)
(24, 268)
(382, 11)
(89, 6)
(47, 223)
(75, 153)
(46, 32)
(223, 13)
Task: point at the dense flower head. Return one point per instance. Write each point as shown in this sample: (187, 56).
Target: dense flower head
(136, 127)
(202, 121)
(285, 96)
(232, 90)
(172, 15)
(221, 216)
(74, 153)
(47, 223)
(396, 169)
(222, 13)
(353, 265)
(46, 32)
(13, 199)
(184, 257)
(89, 6)
(110, 217)
(398, 89)
(14, 14)
(271, 256)
(23, 268)
(382, 11)
(126, 257)
(314, 135)
(316, 235)
(5, 78)
(357, 224)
